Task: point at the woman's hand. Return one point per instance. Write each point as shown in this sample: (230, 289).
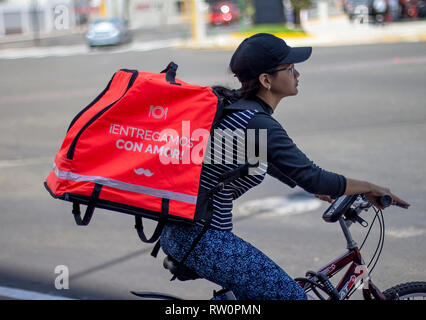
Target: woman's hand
(372, 192)
(324, 198)
(378, 191)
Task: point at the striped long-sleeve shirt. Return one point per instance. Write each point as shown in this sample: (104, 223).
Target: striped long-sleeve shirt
(284, 161)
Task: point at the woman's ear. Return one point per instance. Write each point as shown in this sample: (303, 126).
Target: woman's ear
(264, 81)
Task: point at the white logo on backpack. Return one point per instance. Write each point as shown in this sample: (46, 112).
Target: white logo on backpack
(158, 112)
(143, 171)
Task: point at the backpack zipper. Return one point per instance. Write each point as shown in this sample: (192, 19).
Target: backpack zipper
(70, 153)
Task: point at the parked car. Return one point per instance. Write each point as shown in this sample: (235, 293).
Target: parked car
(109, 31)
(375, 9)
(412, 9)
(421, 8)
(223, 12)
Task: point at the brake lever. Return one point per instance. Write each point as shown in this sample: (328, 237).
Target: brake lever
(353, 215)
(361, 221)
(399, 205)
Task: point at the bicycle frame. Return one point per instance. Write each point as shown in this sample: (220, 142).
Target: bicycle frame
(356, 271)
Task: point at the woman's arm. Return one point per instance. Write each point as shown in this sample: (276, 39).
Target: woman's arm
(288, 160)
(294, 164)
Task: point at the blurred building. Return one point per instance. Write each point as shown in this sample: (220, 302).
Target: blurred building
(152, 13)
(45, 16)
(140, 13)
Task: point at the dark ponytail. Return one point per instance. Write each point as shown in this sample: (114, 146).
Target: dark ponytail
(227, 95)
(247, 91)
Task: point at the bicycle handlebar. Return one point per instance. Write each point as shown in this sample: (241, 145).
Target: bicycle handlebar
(342, 206)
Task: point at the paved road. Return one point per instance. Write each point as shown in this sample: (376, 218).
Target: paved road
(360, 112)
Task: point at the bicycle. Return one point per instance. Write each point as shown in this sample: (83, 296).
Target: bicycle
(346, 210)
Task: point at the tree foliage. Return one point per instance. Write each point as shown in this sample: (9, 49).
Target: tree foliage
(297, 6)
(301, 4)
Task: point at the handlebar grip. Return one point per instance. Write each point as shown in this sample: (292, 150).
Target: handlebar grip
(385, 200)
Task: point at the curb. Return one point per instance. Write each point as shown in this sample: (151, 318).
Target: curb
(286, 35)
(232, 42)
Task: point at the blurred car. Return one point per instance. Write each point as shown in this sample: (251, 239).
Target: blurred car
(354, 7)
(375, 9)
(421, 9)
(109, 31)
(412, 9)
(223, 13)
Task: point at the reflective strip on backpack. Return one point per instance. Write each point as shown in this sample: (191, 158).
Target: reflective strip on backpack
(68, 175)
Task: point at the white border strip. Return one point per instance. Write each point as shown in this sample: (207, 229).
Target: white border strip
(27, 295)
(68, 175)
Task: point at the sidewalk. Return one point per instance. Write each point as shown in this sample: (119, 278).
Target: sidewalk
(337, 31)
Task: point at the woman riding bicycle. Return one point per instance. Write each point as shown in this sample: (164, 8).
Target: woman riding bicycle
(265, 66)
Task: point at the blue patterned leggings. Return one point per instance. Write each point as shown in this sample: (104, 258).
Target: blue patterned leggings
(231, 262)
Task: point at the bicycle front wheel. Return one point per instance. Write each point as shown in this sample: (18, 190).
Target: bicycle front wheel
(407, 291)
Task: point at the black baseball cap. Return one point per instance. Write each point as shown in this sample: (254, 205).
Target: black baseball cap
(262, 52)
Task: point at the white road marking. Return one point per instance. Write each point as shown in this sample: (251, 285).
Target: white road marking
(279, 206)
(405, 232)
(28, 295)
(62, 51)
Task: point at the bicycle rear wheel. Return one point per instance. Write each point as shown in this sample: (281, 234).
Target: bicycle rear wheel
(407, 291)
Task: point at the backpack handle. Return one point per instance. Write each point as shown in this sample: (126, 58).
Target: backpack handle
(170, 72)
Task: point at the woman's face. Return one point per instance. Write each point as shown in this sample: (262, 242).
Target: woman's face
(284, 81)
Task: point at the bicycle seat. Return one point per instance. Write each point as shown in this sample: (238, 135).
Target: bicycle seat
(181, 272)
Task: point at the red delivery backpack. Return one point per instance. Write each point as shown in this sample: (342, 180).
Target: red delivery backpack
(138, 149)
